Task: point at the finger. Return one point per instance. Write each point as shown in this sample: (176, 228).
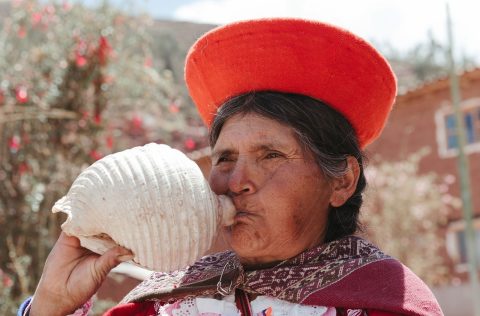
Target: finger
(69, 240)
(110, 260)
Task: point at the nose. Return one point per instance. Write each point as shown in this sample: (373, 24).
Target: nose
(240, 180)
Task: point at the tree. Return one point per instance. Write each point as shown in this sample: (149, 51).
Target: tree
(405, 215)
(422, 63)
(75, 84)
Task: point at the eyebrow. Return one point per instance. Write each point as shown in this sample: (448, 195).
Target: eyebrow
(255, 148)
(216, 154)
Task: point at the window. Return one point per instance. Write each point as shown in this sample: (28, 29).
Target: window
(457, 243)
(462, 246)
(446, 128)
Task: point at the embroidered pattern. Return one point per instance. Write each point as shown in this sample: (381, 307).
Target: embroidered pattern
(293, 280)
(356, 312)
(312, 271)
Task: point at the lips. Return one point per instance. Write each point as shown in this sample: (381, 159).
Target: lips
(242, 214)
(241, 209)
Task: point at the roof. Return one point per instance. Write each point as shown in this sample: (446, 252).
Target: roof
(437, 85)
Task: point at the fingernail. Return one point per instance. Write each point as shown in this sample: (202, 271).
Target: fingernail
(124, 258)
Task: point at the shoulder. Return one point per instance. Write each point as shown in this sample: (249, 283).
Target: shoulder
(383, 285)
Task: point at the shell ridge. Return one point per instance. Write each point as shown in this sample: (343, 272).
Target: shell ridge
(180, 252)
(153, 200)
(102, 191)
(199, 218)
(168, 230)
(78, 201)
(159, 216)
(193, 239)
(148, 173)
(124, 174)
(135, 170)
(189, 176)
(185, 223)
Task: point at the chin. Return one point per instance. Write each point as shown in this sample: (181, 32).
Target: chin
(243, 241)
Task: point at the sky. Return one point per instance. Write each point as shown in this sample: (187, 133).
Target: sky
(401, 23)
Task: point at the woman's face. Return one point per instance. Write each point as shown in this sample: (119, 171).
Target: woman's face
(280, 194)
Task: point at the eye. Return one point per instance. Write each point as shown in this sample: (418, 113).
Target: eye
(273, 155)
(222, 159)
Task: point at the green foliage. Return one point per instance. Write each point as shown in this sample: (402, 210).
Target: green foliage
(9, 305)
(75, 84)
(426, 61)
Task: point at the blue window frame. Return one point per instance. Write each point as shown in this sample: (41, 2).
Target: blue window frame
(472, 127)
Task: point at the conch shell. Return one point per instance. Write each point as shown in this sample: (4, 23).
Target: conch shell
(152, 200)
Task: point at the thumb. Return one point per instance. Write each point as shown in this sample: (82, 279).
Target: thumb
(109, 260)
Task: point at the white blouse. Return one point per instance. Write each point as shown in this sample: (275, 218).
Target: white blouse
(262, 305)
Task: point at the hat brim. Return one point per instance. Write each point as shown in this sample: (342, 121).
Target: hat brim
(294, 56)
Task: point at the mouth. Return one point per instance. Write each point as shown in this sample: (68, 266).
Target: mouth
(242, 215)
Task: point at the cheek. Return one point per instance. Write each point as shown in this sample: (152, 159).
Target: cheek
(218, 182)
(291, 216)
(294, 204)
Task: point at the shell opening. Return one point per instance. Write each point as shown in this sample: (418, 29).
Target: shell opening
(226, 210)
(97, 243)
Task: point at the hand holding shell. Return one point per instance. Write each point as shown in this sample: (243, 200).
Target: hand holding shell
(152, 200)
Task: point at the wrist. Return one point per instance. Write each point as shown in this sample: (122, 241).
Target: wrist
(41, 307)
(24, 308)
(38, 308)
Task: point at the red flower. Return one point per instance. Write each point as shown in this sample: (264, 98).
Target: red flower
(95, 155)
(85, 114)
(14, 143)
(6, 280)
(80, 60)
(137, 122)
(21, 94)
(80, 52)
(104, 50)
(109, 141)
(97, 118)
(22, 32)
(174, 108)
(22, 168)
(148, 62)
(190, 144)
(36, 18)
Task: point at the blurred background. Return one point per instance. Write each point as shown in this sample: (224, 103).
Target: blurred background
(82, 79)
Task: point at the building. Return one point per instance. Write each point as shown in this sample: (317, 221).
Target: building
(422, 118)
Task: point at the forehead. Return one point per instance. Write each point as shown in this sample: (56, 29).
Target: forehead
(256, 129)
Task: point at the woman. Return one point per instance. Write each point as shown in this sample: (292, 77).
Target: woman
(290, 104)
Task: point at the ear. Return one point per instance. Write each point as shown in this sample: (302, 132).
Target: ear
(344, 186)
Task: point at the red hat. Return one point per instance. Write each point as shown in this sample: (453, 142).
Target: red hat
(294, 56)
